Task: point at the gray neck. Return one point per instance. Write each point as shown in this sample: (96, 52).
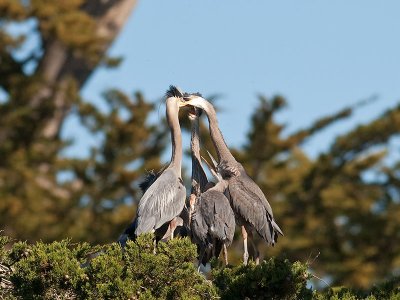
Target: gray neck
(198, 175)
(195, 139)
(216, 135)
(176, 138)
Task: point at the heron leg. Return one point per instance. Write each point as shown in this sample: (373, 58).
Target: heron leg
(172, 227)
(245, 252)
(254, 247)
(225, 255)
(155, 246)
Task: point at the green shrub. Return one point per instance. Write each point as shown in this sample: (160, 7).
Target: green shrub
(272, 279)
(388, 290)
(63, 270)
(47, 271)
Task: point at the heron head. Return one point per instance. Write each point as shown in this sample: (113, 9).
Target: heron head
(195, 100)
(174, 98)
(174, 92)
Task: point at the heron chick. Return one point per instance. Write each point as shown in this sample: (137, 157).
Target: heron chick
(212, 221)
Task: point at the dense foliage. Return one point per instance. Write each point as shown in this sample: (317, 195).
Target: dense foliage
(63, 270)
(343, 205)
(66, 270)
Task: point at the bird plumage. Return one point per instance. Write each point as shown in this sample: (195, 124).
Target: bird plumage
(163, 201)
(249, 203)
(164, 198)
(163, 232)
(212, 221)
(212, 224)
(217, 219)
(251, 206)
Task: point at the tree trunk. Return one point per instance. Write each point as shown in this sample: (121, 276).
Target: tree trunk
(58, 64)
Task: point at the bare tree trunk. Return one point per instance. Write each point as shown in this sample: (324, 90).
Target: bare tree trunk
(58, 64)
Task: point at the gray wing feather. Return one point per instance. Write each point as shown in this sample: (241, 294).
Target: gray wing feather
(252, 186)
(218, 215)
(163, 201)
(250, 204)
(212, 224)
(198, 226)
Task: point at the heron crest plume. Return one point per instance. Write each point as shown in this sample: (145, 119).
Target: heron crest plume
(174, 91)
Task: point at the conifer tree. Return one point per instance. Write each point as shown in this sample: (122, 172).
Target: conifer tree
(40, 90)
(330, 213)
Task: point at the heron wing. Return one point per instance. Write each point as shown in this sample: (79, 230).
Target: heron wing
(163, 201)
(249, 202)
(218, 215)
(198, 225)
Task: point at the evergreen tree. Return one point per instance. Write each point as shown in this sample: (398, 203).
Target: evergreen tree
(40, 90)
(330, 213)
(62, 270)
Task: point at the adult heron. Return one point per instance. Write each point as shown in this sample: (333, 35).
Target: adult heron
(164, 199)
(212, 221)
(251, 208)
(161, 234)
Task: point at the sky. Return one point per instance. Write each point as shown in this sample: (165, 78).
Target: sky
(320, 55)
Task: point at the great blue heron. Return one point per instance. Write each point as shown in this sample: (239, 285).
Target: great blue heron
(212, 221)
(252, 210)
(164, 199)
(164, 232)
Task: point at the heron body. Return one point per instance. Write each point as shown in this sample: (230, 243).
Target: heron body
(164, 199)
(212, 222)
(251, 208)
(162, 233)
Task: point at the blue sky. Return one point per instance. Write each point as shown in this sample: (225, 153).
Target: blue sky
(320, 55)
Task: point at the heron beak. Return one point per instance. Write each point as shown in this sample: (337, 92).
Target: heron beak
(194, 101)
(187, 98)
(182, 103)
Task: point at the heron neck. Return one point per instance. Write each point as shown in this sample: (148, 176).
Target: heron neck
(176, 139)
(195, 139)
(223, 152)
(198, 175)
